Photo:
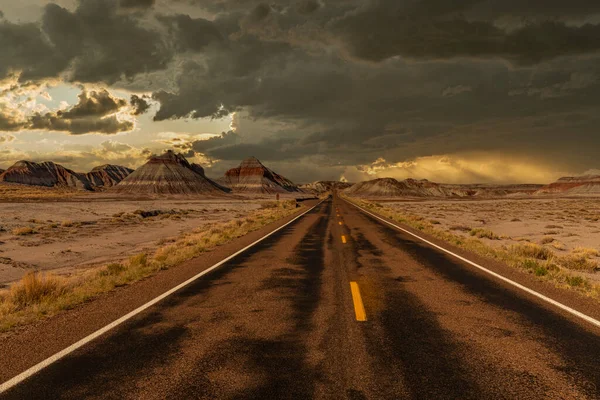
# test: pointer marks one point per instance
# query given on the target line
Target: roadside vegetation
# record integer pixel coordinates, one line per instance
(38, 295)
(566, 271)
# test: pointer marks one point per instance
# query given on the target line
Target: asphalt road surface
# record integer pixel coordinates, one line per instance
(280, 321)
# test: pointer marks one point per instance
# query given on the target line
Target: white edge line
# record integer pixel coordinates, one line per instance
(518, 285)
(52, 359)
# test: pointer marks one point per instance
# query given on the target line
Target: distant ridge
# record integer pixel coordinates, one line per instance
(390, 187)
(319, 187)
(586, 185)
(50, 174)
(169, 173)
(253, 177)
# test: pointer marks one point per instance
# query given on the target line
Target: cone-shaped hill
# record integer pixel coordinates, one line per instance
(44, 174)
(169, 173)
(107, 175)
(253, 177)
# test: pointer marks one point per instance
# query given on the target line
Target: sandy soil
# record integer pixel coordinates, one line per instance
(80, 233)
(564, 225)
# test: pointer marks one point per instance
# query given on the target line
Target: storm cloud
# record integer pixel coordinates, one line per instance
(333, 85)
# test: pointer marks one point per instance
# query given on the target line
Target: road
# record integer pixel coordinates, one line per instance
(280, 322)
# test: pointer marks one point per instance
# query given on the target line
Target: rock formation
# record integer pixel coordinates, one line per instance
(44, 174)
(253, 177)
(55, 175)
(390, 187)
(199, 170)
(586, 185)
(319, 187)
(169, 173)
(105, 176)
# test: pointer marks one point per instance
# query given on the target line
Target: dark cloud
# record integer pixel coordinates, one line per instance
(93, 113)
(140, 104)
(430, 30)
(94, 104)
(136, 3)
(53, 122)
(24, 49)
(191, 33)
(208, 146)
(307, 6)
(333, 83)
(8, 121)
(94, 43)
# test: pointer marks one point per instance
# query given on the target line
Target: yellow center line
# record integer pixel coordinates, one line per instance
(343, 239)
(359, 308)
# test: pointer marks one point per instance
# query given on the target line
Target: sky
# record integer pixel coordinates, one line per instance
(463, 91)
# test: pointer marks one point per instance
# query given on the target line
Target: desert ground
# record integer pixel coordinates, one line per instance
(85, 231)
(563, 225)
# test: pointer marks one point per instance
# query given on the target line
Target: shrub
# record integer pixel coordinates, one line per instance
(461, 228)
(484, 233)
(540, 271)
(113, 269)
(26, 230)
(67, 223)
(575, 281)
(578, 262)
(547, 239)
(34, 288)
(531, 264)
(586, 252)
(139, 260)
(531, 250)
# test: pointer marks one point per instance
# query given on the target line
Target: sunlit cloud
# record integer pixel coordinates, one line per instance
(465, 168)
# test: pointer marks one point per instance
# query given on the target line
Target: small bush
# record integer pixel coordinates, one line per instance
(540, 271)
(553, 227)
(551, 233)
(578, 262)
(26, 230)
(461, 228)
(139, 260)
(531, 250)
(530, 264)
(575, 281)
(67, 224)
(586, 252)
(113, 269)
(547, 239)
(484, 233)
(34, 288)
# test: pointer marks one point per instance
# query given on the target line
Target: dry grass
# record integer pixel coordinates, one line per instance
(484, 233)
(16, 192)
(532, 258)
(38, 295)
(24, 231)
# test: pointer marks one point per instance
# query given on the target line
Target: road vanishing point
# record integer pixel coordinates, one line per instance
(335, 303)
